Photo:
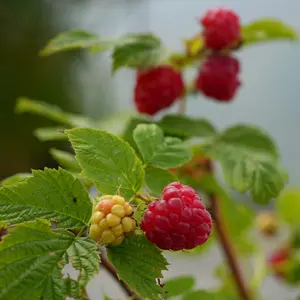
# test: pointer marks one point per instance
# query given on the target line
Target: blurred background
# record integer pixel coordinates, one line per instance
(82, 83)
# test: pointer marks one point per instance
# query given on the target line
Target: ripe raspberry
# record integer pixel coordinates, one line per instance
(218, 78)
(222, 28)
(277, 261)
(157, 89)
(111, 220)
(178, 221)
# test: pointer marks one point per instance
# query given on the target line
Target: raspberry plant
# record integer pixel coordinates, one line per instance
(156, 188)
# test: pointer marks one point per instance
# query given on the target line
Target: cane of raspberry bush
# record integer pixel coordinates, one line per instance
(222, 28)
(111, 220)
(157, 89)
(178, 221)
(218, 78)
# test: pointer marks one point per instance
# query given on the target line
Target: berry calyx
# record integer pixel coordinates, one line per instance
(218, 78)
(222, 28)
(178, 221)
(157, 89)
(111, 220)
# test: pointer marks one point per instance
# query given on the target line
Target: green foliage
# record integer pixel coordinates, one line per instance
(108, 161)
(46, 134)
(266, 30)
(156, 179)
(65, 160)
(159, 151)
(248, 158)
(178, 286)
(138, 51)
(31, 261)
(15, 179)
(50, 194)
(288, 206)
(139, 263)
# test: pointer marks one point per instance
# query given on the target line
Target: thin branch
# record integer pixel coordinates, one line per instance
(228, 250)
(182, 106)
(143, 197)
(112, 271)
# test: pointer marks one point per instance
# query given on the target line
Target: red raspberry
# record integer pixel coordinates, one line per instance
(277, 261)
(157, 88)
(222, 28)
(218, 77)
(178, 221)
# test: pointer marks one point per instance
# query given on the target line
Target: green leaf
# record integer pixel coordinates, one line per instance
(156, 179)
(200, 294)
(265, 30)
(139, 263)
(288, 206)
(66, 160)
(108, 161)
(50, 194)
(186, 126)
(52, 112)
(179, 285)
(14, 179)
(31, 257)
(159, 151)
(46, 134)
(248, 158)
(138, 51)
(76, 39)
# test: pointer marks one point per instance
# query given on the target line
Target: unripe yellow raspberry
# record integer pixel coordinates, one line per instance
(103, 224)
(119, 200)
(128, 209)
(113, 220)
(107, 237)
(97, 216)
(118, 210)
(117, 230)
(95, 231)
(118, 240)
(267, 223)
(128, 224)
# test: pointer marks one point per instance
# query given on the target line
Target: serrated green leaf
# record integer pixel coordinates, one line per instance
(14, 179)
(66, 160)
(179, 285)
(156, 179)
(138, 51)
(159, 151)
(265, 30)
(108, 161)
(248, 158)
(186, 126)
(52, 112)
(139, 263)
(46, 134)
(30, 261)
(288, 206)
(76, 39)
(50, 194)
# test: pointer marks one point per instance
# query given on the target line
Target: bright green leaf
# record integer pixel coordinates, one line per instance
(66, 160)
(15, 179)
(139, 263)
(200, 294)
(178, 286)
(186, 126)
(50, 194)
(248, 158)
(288, 206)
(265, 30)
(76, 39)
(31, 258)
(159, 151)
(52, 112)
(156, 179)
(138, 51)
(46, 134)
(108, 161)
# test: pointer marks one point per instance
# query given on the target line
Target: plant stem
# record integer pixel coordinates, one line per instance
(110, 268)
(228, 250)
(143, 197)
(182, 106)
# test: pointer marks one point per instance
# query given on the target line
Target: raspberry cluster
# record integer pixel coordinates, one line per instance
(178, 221)
(111, 220)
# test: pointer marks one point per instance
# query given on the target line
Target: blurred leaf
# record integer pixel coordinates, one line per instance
(52, 112)
(186, 126)
(248, 157)
(178, 286)
(159, 151)
(138, 51)
(288, 206)
(15, 179)
(65, 160)
(156, 179)
(265, 30)
(50, 134)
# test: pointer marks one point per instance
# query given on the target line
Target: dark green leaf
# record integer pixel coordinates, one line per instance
(178, 286)
(108, 161)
